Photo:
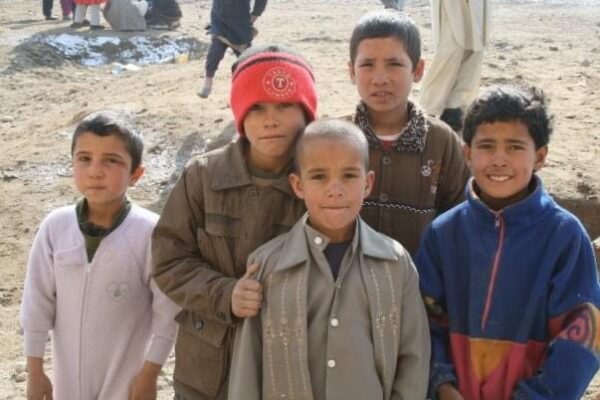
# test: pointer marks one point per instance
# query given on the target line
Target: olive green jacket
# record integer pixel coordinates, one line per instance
(363, 336)
(213, 219)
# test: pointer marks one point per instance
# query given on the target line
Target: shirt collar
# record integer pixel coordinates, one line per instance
(368, 241)
(230, 170)
(413, 137)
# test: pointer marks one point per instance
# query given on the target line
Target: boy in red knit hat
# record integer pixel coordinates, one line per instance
(225, 204)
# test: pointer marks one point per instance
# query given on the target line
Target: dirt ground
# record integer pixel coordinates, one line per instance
(554, 44)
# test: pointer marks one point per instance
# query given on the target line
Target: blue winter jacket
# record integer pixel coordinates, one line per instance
(513, 299)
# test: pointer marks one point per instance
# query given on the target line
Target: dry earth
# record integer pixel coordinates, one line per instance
(554, 44)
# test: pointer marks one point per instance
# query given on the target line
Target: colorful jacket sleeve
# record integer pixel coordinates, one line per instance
(180, 269)
(432, 290)
(572, 357)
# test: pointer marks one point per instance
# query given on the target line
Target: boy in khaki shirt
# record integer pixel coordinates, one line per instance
(342, 317)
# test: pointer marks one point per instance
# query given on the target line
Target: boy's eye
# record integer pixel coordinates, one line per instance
(255, 107)
(83, 158)
(365, 64)
(113, 160)
(317, 177)
(350, 175)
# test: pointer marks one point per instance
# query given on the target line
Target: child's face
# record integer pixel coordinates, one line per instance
(502, 157)
(272, 129)
(383, 74)
(333, 183)
(102, 170)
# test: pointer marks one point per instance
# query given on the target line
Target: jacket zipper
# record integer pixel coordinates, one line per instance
(88, 269)
(490, 292)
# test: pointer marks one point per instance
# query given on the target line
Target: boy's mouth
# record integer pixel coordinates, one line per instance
(381, 94)
(499, 178)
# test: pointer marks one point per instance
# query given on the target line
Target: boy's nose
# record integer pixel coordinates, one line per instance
(499, 159)
(335, 189)
(95, 170)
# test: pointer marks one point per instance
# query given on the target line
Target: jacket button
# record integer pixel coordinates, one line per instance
(334, 322)
(253, 193)
(386, 160)
(331, 363)
(198, 325)
(383, 197)
(221, 315)
(318, 240)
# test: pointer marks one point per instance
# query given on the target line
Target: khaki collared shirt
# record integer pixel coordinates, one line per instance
(214, 218)
(363, 336)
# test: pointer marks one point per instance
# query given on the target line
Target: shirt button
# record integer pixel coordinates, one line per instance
(383, 197)
(331, 363)
(221, 315)
(386, 160)
(318, 240)
(335, 322)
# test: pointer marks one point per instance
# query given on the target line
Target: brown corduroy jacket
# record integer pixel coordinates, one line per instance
(423, 175)
(214, 218)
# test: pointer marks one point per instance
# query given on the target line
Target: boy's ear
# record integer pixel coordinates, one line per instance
(540, 158)
(351, 72)
(467, 154)
(419, 71)
(136, 175)
(296, 184)
(370, 180)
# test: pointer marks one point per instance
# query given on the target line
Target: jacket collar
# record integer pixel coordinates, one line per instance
(413, 137)
(366, 240)
(523, 212)
(230, 170)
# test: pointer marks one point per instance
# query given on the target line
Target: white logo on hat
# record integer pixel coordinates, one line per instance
(279, 83)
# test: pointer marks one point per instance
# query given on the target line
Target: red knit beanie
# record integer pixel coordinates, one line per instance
(272, 78)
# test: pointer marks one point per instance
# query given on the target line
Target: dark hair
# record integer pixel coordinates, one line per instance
(387, 23)
(265, 48)
(336, 129)
(511, 103)
(106, 124)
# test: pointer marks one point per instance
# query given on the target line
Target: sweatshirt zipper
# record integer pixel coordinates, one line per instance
(88, 269)
(490, 292)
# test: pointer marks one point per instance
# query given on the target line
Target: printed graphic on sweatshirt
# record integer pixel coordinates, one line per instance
(118, 290)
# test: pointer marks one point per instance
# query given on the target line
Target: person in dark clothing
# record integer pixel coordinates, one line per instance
(231, 26)
(47, 9)
(163, 12)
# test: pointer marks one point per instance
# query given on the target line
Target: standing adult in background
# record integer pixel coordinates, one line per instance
(231, 26)
(394, 4)
(68, 7)
(461, 32)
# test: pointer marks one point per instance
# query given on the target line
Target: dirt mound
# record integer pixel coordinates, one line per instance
(55, 50)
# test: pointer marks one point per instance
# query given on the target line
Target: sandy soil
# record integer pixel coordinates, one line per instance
(553, 44)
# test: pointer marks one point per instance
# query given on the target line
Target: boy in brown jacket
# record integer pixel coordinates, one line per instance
(418, 162)
(225, 204)
(342, 316)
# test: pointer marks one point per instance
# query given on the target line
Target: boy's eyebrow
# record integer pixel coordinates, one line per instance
(117, 155)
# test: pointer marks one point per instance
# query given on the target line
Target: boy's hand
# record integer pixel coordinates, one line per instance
(144, 385)
(447, 391)
(246, 298)
(39, 386)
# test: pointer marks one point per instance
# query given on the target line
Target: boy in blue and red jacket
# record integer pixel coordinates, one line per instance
(509, 277)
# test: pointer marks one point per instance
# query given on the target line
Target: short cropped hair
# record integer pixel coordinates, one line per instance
(107, 124)
(511, 103)
(336, 129)
(387, 23)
